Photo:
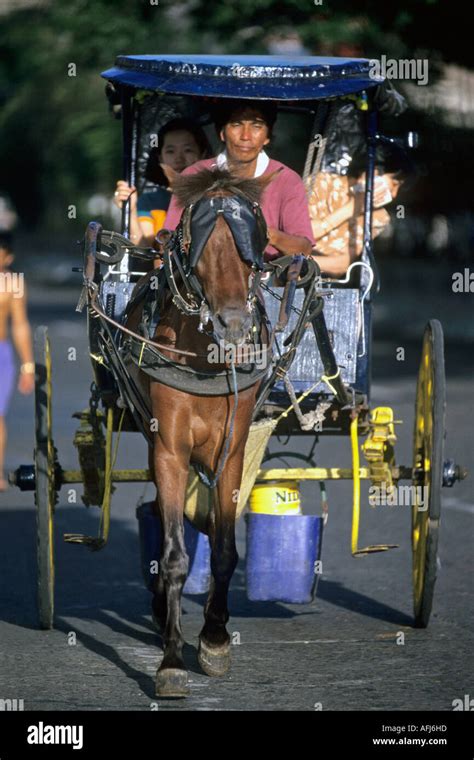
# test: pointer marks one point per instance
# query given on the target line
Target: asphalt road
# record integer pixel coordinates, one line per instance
(342, 652)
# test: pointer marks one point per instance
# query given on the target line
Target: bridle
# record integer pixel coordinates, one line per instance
(185, 247)
(181, 255)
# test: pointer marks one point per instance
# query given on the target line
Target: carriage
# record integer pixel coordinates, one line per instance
(318, 380)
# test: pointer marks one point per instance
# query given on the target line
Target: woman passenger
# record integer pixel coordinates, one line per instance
(181, 143)
(336, 209)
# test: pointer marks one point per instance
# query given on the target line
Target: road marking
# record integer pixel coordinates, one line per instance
(310, 641)
(459, 506)
(148, 653)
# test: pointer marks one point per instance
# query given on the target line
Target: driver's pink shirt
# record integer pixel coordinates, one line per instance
(284, 202)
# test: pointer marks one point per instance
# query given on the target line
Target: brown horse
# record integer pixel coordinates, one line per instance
(196, 428)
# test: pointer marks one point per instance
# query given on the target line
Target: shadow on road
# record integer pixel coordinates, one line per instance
(107, 587)
(341, 596)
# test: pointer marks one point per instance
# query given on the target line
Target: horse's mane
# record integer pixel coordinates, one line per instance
(191, 187)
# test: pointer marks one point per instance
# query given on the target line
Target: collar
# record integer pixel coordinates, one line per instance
(262, 162)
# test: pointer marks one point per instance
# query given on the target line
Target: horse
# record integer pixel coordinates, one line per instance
(220, 230)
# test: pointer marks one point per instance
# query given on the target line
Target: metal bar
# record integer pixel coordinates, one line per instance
(118, 476)
(326, 473)
(369, 194)
(298, 473)
(355, 487)
(289, 292)
(328, 358)
(91, 265)
(312, 144)
(129, 137)
(284, 362)
(127, 169)
(131, 476)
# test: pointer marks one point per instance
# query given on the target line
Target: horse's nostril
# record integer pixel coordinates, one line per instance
(233, 325)
(234, 319)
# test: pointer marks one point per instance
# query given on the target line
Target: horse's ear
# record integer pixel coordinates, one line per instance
(265, 179)
(170, 174)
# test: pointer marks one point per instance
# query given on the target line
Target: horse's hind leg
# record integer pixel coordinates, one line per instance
(214, 641)
(171, 678)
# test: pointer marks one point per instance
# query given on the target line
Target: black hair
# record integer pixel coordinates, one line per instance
(223, 111)
(153, 171)
(186, 125)
(6, 240)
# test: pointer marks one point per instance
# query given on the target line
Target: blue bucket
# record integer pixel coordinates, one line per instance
(197, 547)
(282, 552)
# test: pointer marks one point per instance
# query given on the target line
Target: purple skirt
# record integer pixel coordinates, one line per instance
(7, 375)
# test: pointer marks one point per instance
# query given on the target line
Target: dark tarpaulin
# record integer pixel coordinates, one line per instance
(265, 76)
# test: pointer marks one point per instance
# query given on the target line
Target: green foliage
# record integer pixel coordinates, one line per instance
(371, 27)
(59, 145)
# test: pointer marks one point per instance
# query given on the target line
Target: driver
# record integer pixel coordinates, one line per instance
(245, 128)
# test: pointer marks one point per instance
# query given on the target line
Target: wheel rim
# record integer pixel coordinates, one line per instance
(51, 463)
(45, 470)
(422, 465)
(427, 467)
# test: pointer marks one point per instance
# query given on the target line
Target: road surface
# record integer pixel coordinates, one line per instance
(354, 648)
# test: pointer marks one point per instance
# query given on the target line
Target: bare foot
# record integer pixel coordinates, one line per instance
(3, 484)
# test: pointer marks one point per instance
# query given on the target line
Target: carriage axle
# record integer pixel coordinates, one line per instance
(24, 476)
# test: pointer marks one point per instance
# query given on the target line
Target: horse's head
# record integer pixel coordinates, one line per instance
(227, 235)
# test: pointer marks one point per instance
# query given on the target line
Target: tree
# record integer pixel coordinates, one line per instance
(59, 144)
(370, 26)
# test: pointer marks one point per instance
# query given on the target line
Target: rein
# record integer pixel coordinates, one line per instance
(173, 255)
(93, 305)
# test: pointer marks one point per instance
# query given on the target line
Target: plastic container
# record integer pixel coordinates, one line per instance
(282, 556)
(197, 547)
(275, 499)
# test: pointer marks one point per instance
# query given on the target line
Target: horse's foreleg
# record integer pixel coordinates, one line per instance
(171, 678)
(214, 641)
(158, 602)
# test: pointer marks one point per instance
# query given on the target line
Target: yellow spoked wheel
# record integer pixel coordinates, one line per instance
(428, 469)
(46, 476)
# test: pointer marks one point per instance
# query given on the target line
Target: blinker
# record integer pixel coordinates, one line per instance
(246, 223)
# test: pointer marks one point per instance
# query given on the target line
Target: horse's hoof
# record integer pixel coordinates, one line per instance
(215, 661)
(172, 683)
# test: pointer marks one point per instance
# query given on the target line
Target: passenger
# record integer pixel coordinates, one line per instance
(336, 194)
(336, 207)
(12, 309)
(181, 143)
(245, 127)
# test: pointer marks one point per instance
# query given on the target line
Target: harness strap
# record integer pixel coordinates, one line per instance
(310, 173)
(213, 383)
(170, 258)
(101, 313)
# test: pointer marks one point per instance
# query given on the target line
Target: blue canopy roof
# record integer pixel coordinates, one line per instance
(243, 76)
